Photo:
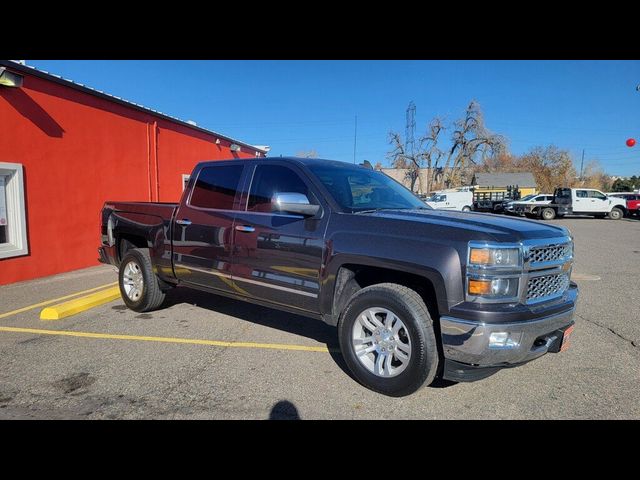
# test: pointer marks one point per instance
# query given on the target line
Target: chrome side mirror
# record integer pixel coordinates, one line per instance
(293, 202)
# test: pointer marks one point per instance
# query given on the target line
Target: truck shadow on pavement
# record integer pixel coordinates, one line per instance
(286, 322)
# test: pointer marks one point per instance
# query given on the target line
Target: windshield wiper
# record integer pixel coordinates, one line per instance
(374, 210)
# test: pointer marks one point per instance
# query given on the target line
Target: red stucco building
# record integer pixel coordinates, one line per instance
(65, 149)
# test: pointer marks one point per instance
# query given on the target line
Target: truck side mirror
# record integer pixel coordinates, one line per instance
(293, 202)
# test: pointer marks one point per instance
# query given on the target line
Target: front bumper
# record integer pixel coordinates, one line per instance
(469, 355)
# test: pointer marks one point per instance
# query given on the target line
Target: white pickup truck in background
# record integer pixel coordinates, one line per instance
(580, 201)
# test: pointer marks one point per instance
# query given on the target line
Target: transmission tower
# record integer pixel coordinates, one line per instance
(410, 130)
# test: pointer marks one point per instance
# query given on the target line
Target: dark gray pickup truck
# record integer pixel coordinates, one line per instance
(416, 294)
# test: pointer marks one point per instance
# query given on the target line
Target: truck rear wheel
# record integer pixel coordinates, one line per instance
(139, 286)
(387, 339)
(466, 208)
(615, 214)
(548, 214)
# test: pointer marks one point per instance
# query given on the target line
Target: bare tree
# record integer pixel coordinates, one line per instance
(402, 159)
(431, 153)
(470, 144)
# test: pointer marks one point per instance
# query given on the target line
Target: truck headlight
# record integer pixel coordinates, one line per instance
(494, 257)
(493, 287)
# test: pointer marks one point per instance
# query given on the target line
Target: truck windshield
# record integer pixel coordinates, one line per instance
(437, 198)
(357, 189)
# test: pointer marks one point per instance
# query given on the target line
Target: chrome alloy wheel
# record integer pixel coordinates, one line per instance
(133, 281)
(381, 342)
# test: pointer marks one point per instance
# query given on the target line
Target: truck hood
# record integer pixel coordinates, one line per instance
(478, 225)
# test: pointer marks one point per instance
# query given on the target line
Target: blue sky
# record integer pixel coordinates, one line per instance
(311, 105)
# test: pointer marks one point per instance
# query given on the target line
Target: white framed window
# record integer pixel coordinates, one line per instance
(185, 181)
(13, 223)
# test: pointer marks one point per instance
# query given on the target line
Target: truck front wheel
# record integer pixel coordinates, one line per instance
(139, 286)
(615, 214)
(548, 214)
(387, 339)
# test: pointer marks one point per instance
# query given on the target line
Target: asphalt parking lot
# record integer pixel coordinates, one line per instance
(209, 357)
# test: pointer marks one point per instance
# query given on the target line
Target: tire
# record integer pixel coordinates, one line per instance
(139, 286)
(616, 214)
(395, 377)
(466, 208)
(548, 214)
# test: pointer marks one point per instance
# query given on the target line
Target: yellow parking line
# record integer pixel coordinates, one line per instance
(49, 302)
(190, 341)
(77, 305)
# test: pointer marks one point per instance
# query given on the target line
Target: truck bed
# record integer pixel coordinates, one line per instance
(164, 210)
(146, 225)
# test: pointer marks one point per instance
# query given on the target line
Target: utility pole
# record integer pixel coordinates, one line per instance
(355, 140)
(409, 147)
(410, 130)
(581, 164)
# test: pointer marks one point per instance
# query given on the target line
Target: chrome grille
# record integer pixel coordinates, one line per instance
(540, 288)
(550, 253)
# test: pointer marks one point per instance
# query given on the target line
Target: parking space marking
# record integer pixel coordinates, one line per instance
(188, 341)
(54, 300)
(77, 305)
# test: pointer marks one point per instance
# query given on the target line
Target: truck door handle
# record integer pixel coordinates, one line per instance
(245, 228)
(184, 221)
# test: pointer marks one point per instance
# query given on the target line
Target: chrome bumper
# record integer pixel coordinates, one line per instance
(468, 342)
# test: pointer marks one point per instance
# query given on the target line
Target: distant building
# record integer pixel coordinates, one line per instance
(422, 185)
(400, 176)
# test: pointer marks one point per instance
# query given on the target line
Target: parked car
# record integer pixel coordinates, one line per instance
(632, 200)
(507, 205)
(579, 201)
(415, 293)
(492, 204)
(518, 207)
(451, 200)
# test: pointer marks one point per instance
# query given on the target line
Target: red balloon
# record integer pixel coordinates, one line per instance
(631, 142)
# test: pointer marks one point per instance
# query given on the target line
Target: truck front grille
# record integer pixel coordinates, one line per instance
(549, 253)
(541, 288)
